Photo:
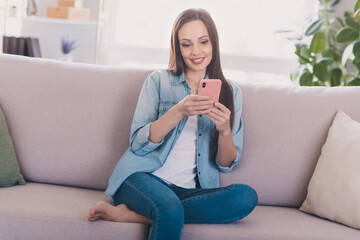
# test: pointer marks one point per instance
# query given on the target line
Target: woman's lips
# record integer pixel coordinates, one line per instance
(197, 60)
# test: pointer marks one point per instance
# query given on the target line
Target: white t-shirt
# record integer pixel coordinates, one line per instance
(180, 166)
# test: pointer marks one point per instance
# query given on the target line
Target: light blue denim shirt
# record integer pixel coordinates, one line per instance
(160, 92)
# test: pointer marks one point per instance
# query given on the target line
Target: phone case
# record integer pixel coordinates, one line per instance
(211, 88)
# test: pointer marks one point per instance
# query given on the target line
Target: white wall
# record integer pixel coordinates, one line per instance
(50, 31)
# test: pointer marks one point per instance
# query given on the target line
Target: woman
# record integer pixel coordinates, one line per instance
(170, 173)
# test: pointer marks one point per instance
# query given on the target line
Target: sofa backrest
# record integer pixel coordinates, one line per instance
(70, 124)
(285, 128)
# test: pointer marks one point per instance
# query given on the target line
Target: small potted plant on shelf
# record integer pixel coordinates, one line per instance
(12, 11)
(67, 47)
(328, 50)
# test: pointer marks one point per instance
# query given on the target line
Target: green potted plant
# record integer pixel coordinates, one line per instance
(328, 50)
(12, 11)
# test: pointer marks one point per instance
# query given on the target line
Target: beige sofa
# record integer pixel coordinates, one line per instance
(70, 124)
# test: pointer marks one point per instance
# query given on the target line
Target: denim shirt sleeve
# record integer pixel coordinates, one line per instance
(146, 113)
(237, 130)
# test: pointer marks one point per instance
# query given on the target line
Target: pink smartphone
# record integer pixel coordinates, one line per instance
(211, 88)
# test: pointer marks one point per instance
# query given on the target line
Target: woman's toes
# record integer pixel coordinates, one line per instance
(96, 211)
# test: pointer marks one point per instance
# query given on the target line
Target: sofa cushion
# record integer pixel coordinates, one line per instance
(9, 167)
(43, 211)
(285, 128)
(334, 190)
(277, 223)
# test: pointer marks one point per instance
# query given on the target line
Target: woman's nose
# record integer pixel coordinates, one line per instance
(195, 50)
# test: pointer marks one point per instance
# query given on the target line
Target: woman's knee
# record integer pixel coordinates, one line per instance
(170, 209)
(245, 200)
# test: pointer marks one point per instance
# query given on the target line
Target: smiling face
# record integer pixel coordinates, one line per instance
(195, 46)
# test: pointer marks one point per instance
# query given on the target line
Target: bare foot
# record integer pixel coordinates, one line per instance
(105, 211)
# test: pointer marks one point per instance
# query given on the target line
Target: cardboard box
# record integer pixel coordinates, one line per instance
(75, 14)
(57, 12)
(79, 14)
(70, 3)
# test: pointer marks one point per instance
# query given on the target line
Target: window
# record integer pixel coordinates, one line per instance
(246, 31)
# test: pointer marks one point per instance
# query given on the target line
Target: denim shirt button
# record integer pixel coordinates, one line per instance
(198, 154)
(200, 134)
(164, 109)
(200, 115)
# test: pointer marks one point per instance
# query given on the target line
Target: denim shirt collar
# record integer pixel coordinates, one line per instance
(178, 79)
(181, 78)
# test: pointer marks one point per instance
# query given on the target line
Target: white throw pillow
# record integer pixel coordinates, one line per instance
(334, 189)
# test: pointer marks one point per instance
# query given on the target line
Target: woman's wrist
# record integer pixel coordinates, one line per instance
(162, 126)
(225, 132)
(177, 111)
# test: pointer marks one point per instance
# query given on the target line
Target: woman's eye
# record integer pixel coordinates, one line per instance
(205, 42)
(185, 45)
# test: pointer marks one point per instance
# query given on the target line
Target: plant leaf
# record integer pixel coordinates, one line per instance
(334, 2)
(347, 35)
(329, 53)
(335, 77)
(295, 37)
(327, 9)
(318, 43)
(356, 63)
(349, 20)
(306, 78)
(317, 84)
(347, 54)
(302, 52)
(357, 5)
(321, 71)
(314, 27)
(340, 21)
(283, 31)
(294, 75)
(305, 53)
(354, 82)
(326, 60)
(356, 50)
(356, 15)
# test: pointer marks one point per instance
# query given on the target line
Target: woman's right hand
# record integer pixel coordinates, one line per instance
(194, 105)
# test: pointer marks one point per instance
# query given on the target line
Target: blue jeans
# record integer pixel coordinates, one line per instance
(169, 207)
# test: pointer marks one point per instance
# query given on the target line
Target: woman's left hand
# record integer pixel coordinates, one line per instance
(220, 115)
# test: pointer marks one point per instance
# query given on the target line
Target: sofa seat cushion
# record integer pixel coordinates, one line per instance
(268, 222)
(43, 211)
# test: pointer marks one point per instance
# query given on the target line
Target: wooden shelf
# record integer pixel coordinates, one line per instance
(49, 31)
(61, 21)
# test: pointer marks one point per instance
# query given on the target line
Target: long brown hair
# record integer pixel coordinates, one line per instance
(214, 71)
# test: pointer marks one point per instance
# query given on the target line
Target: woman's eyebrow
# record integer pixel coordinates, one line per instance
(185, 39)
(203, 36)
